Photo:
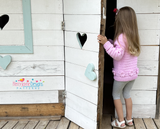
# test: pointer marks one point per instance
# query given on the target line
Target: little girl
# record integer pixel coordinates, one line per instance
(124, 49)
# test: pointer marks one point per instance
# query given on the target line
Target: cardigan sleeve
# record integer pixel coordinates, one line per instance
(116, 52)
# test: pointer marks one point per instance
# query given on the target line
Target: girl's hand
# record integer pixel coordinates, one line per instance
(102, 39)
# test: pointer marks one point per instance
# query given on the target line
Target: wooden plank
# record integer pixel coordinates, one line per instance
(46, 21)
(8, 7)
(149, 123)
(15, 22)
(142, 97)
(63, 124)
(82, 120)
(82, 90)
(12, 37)
(148, 6)
(31, 124)
(53, 37)
(148, 67)
(49, 6)
(30, 118)
(73, 126)
(35, 83)
(82, 106)
(139, 124)
(42, 124)
(149, 37)
(79, 74)
(90, 45)
(28, 97)
(75, 22)
(52, 125)
(10, 124)
(81, 57)
(41, 53)
(157, 122)
(149, 53)
(145, 83)
(148, 21)
(21, 124)
(34, 68)
(89, 7)
(27, 110)
(3, 123)
(140, 111)
(106, 121)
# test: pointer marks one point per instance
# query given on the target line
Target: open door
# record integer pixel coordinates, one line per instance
(82, 25)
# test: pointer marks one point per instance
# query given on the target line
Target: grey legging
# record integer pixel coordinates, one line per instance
(119, 85)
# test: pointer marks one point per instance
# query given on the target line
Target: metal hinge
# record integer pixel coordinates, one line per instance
(63, 25)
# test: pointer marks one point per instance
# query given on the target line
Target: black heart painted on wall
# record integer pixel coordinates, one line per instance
(3, 20)
(81, 39)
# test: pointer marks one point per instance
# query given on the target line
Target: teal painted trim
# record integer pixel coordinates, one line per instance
(28, 36)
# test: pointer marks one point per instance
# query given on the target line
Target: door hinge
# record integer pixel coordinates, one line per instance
(63, 25)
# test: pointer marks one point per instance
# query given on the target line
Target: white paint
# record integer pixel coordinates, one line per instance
(82, 106)
(142, 97)
(149, 53)
(79, 119)
(141, 6)
(83, 7)
(104, 12)
(34, 68)
(77, 72)
(49, 83)
(90, 45)
(46, 6)
(51, 37)
(29, 97)
(82, 90)
(41, 53)
(148, 67)
(140, 111)
(46, 21)
(83, 23)
(81, 57)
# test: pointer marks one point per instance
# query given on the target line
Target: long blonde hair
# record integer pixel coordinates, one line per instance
(126, 23)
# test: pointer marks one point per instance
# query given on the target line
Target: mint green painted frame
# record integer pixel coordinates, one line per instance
(28, 45)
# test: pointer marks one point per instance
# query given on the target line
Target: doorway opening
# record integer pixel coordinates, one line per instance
(108, 104)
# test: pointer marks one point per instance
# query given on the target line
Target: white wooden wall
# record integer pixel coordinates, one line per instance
(47, 61)
(82, 93)
(143, 93)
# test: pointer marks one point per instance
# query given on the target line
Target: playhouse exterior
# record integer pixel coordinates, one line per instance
(46, 75)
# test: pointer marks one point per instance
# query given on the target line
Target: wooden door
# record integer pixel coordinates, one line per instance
(82, 17)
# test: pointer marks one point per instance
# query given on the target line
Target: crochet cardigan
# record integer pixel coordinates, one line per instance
(125, 64)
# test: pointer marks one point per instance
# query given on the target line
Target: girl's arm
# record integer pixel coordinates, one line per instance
(116, 52)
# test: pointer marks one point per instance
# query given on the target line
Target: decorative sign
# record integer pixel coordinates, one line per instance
(23, 83)
(3, 20)
(81, 39)
(5, 61)
(89, 73)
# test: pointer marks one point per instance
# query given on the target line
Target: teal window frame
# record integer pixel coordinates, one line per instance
(28, 36)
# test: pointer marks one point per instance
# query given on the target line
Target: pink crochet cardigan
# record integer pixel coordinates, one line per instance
(125, 64)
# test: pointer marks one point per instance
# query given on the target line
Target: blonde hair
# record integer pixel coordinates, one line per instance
(126, 23)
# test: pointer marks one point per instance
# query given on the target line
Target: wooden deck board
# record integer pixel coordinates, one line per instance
(63, 124)
(73, 126)
(42, 124)
(31, 124)
(149, 123)
(157, 122)
(10, 124)
(21, 124)
(2, 123)
(52, 125)
(138, 122)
